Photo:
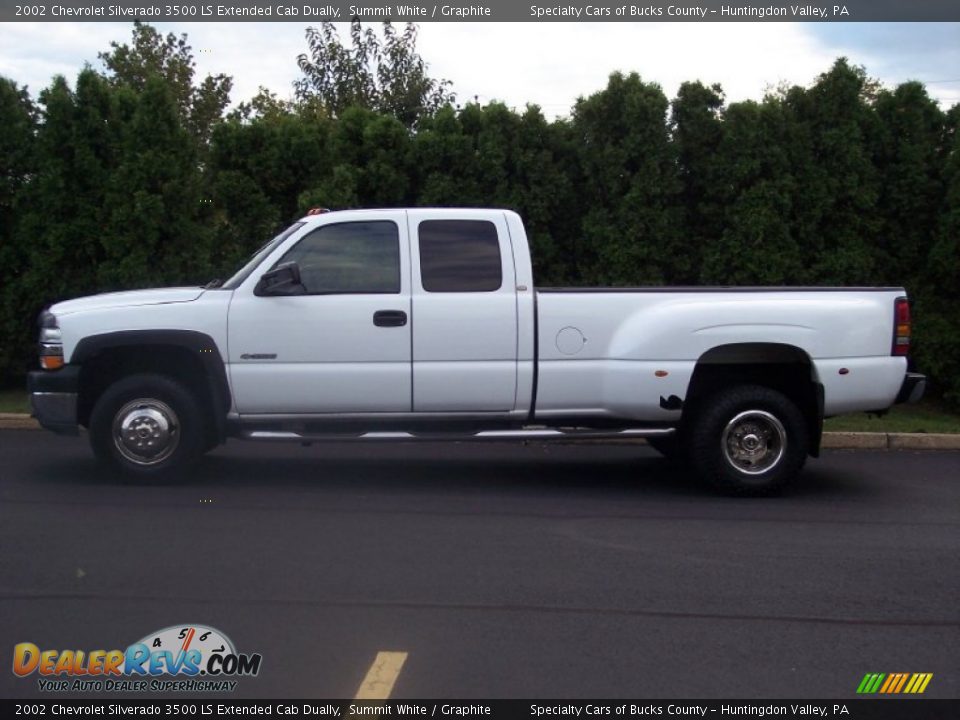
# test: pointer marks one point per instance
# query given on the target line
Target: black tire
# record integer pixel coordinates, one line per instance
(748, 440)
(164, 430)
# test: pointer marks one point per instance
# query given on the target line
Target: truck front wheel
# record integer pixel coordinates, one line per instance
(748, 440)
(147, 426)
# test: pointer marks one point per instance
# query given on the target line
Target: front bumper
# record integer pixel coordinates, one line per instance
(912, 389)
(53, 398)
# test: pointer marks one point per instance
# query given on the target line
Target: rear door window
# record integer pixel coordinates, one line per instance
(459, 256)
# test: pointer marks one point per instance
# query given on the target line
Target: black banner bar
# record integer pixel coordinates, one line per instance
(484, 10)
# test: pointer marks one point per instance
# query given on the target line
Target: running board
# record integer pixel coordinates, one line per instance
(531, 434)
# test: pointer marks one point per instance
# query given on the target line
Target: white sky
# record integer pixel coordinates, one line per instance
(549, 64)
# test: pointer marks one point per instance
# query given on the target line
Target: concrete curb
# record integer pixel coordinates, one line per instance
(831, 440)
(856, 440)
(891, 441)
(17, 421)
(923, 441)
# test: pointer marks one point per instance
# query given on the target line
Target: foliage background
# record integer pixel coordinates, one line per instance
(136, 176)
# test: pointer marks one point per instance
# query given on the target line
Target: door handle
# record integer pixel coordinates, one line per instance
(389, 318)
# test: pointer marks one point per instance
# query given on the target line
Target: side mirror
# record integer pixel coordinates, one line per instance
(282, 280)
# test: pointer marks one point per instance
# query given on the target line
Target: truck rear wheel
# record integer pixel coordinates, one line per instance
(748, 440)
(148, 427)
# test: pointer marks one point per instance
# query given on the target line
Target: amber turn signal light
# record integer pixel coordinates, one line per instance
(51, 362)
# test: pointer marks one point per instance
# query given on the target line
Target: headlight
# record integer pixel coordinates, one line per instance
(47, 320)
(51, 342)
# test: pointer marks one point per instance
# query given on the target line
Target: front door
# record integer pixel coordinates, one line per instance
(344, 345)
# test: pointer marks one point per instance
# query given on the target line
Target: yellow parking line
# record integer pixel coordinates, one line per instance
(378, 684)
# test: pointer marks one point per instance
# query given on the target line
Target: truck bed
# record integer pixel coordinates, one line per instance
(631, 352)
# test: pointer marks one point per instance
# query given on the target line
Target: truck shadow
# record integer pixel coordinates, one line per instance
(592, 469)
(588, 470)
(526, 470)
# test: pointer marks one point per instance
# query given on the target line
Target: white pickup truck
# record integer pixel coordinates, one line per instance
(424, 323)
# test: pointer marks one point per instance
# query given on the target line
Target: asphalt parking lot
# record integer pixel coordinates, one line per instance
(540, 570)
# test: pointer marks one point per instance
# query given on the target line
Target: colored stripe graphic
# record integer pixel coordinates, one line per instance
(900, 682)
(894, 683)
(892, 680)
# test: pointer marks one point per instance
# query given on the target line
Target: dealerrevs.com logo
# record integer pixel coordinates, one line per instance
(178, 658)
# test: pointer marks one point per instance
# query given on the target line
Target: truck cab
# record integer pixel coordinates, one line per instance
(389, 311)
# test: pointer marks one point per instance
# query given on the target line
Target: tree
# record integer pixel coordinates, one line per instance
(544, 176)
(753, 189)
(171, 58)
(18, 119)
(443, 157)
(937, 295)
(264, 105)
(831, 131)
(908, 157)
(369, 154)
(387, 76)
(18, 163)
(156, 227)
(697, 128)
(18, 125)
(631, 228)
(62, 224)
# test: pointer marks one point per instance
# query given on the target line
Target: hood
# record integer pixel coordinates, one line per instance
(130, 298)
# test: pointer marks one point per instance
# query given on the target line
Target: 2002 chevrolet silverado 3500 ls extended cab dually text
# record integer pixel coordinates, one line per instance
(424, 323)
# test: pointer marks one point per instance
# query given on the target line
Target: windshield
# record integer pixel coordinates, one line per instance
(243, 273)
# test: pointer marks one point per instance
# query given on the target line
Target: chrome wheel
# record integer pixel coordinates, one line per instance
(754, 441)
(146, 431)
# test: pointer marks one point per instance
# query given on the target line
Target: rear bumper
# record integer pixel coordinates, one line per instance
(53, 399)
(912, 389)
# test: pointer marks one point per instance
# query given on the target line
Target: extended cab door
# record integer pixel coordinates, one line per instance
(344, 345)
(464, 312)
